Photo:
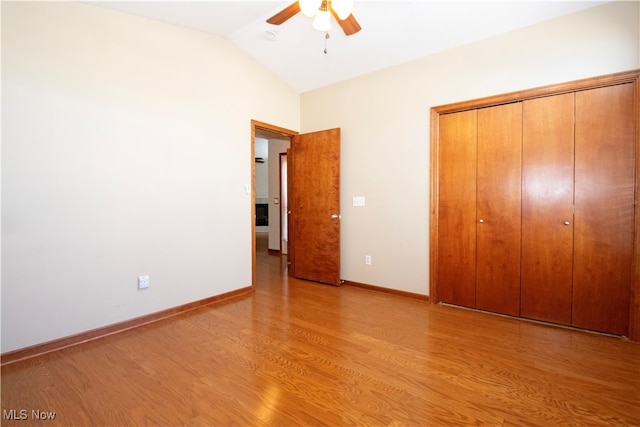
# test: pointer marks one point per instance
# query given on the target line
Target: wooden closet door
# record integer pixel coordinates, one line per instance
(604, 208)
(499, 208)
(457, 208)
(547, 208)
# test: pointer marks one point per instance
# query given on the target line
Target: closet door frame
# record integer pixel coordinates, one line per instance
(632, 77)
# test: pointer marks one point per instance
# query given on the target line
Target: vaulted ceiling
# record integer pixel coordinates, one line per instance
(392, 32)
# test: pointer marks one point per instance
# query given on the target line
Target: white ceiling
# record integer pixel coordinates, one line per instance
(392, 32)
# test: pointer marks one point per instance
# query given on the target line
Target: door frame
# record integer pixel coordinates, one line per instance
(287, 133)
(632, 76)
(282, 157)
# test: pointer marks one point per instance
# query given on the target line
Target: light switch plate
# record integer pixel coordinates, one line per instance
(358, 200)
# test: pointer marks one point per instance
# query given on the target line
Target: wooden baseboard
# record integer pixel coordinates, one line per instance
(387, 290)
(50, 346)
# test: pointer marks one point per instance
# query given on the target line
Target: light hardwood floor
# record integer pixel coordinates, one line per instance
(301, 353)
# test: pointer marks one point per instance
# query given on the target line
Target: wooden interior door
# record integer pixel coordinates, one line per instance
(604, 208)
(498, 224)
(315, 206)
(457, 208)
(547, 208)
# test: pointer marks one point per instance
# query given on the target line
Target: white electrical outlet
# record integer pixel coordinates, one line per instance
(367, 259)
(143, 282)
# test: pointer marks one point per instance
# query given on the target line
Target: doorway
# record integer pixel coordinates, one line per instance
(314, 188)
(278, 140)
(284, 204)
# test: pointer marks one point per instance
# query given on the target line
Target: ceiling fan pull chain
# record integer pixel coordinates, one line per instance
(326, 37)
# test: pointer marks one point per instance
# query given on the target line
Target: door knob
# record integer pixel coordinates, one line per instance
(567, 223)
(335, 216)
(481, 220)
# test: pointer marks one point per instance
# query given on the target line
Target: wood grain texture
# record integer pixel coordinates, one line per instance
(26, 353)
(434, 205)
(634, 309)
(499, 189)
(413, 295)
(604, 199)
(457, 155)
(300, 353)
(349, 25)
(630, 77)
(285, 14)
(314, 200)
(547, 208)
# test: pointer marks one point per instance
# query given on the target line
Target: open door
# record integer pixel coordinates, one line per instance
(314, 205)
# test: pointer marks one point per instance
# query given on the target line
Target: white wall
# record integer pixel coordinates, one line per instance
(384, 118)
(126, 148)
(276, 146)
(262, 177)
(262, 169)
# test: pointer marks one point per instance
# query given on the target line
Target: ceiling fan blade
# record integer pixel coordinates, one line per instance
(349, 24)
(284, 14)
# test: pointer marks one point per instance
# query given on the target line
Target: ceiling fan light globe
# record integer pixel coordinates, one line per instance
(342, 8)
(309, 7)
(322, 21)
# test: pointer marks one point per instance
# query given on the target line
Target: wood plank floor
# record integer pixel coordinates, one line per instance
(300, 353)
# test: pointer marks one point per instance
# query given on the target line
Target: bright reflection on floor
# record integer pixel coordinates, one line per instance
(269, 402)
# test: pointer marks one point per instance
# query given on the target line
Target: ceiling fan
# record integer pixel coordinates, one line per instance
(321, 10)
